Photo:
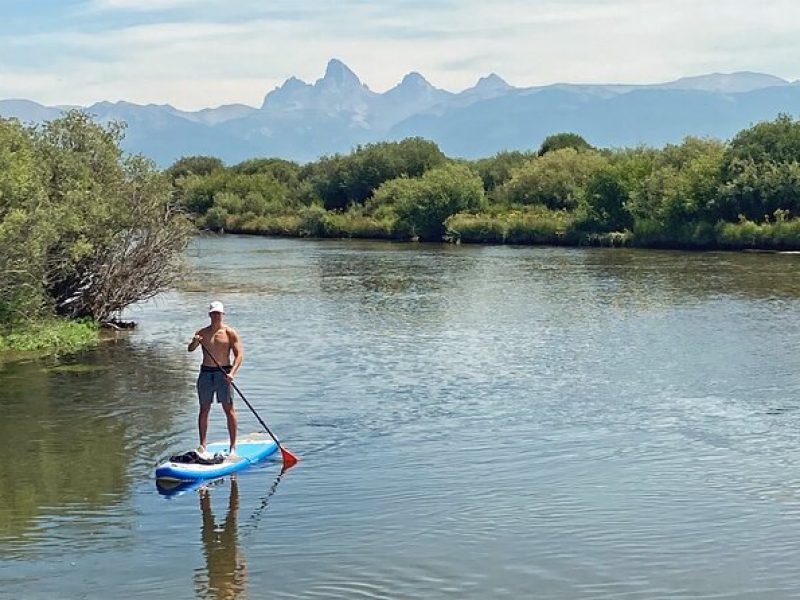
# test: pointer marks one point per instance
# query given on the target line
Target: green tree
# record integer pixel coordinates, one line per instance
(339, 181)
(760, 171)
(681, 185)
(559, 141)
(193, 165)
(498, 169)
(605, 200)
(97, 231)
(423, 204)
(554, 180)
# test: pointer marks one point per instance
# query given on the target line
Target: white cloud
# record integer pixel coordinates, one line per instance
(196, 64)
(139, 5)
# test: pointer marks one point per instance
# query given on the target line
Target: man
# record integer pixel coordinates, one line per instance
(219, 341)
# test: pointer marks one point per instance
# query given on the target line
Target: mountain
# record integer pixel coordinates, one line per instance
(743, 81)
(302, 121)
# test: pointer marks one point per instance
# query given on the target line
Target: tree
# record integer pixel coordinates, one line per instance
(193, 165)
(605, 199)
(285, 171)
(423, 204)
(554, 180)
(559, 141)
(681, 184)
(760, 171)
(99, 231)
(339, 181)
(498, 169)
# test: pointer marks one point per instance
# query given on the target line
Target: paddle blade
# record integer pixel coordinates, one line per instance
(289, 459)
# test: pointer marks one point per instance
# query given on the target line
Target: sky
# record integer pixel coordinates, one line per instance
(200, 53)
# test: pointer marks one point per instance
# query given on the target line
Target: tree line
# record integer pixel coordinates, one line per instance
(701, 193)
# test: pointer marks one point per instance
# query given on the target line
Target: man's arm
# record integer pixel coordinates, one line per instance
(238, 352)
(195, 341)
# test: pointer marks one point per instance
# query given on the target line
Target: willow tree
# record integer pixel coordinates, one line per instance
(96, 230)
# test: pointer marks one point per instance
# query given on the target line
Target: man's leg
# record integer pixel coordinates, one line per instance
(205, 394)
(202, 422)
(230, 415)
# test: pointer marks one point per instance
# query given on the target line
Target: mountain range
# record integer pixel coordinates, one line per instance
(302, 121)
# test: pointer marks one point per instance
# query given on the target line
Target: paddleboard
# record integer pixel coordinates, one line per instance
(249, 450)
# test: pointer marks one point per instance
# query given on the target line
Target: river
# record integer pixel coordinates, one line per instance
(473, 422)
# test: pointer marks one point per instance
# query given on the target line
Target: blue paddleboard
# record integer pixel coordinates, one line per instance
(249, 450)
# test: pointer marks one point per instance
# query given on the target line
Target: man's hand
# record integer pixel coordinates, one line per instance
(229, 377)
(196, 341)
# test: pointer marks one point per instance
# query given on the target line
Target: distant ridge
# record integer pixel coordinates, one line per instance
(301, 121)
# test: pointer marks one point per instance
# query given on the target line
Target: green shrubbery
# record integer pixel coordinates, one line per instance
(696, 194)
(84, 230)
(49, 335)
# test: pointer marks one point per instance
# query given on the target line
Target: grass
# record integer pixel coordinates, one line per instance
(49, 336)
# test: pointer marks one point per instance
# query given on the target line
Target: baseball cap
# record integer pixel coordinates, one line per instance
(216, 306)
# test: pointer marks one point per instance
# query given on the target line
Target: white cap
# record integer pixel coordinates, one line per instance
(216, 306)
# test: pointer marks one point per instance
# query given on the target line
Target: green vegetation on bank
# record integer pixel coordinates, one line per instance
(50, 335)
(84, 231)
(743, 193)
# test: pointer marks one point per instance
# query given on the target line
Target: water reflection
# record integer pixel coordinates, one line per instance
(75, 427)
(225, 574)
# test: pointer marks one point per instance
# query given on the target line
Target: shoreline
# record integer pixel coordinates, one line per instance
(613, 240)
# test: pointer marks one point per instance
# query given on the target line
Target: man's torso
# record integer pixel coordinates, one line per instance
(219, 345)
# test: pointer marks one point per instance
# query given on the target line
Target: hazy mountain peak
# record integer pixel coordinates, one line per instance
(492, 82)
(415, 79)
(290, 89)
(293, 83)
(740, 81)
(339, 74)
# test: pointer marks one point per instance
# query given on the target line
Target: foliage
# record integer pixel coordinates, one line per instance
(49, 335)
(554, 180)
(559, 141)
(84, 231)
(679, 184)
(699, 193)
(528, 225)
(605, 202)
(423, 204)
(193, 165)
(496, 170)
(761, 171)
(338, 181)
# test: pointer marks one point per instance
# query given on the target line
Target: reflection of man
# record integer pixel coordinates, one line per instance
(225, 565)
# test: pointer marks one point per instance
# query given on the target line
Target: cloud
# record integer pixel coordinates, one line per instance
(141, 5)
(221, 52)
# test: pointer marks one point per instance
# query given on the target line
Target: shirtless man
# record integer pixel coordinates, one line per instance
(221, 341)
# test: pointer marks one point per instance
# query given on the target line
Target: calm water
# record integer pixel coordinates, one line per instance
(475, 422)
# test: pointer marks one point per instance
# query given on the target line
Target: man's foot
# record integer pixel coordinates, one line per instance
(202, 452)
(232, 452)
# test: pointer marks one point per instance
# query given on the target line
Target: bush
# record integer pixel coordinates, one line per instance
(554, 180)
(559, 141)
(84, 230)
(533, 225)
(424, 204)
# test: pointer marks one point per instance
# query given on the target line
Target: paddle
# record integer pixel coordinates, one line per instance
(289, 459)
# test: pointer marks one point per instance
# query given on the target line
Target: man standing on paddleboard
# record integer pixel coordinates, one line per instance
(219, 341)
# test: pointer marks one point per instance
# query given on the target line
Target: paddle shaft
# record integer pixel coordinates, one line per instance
(250, 406)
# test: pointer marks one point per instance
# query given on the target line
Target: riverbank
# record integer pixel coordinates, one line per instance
(47, 337)
(529, 226)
